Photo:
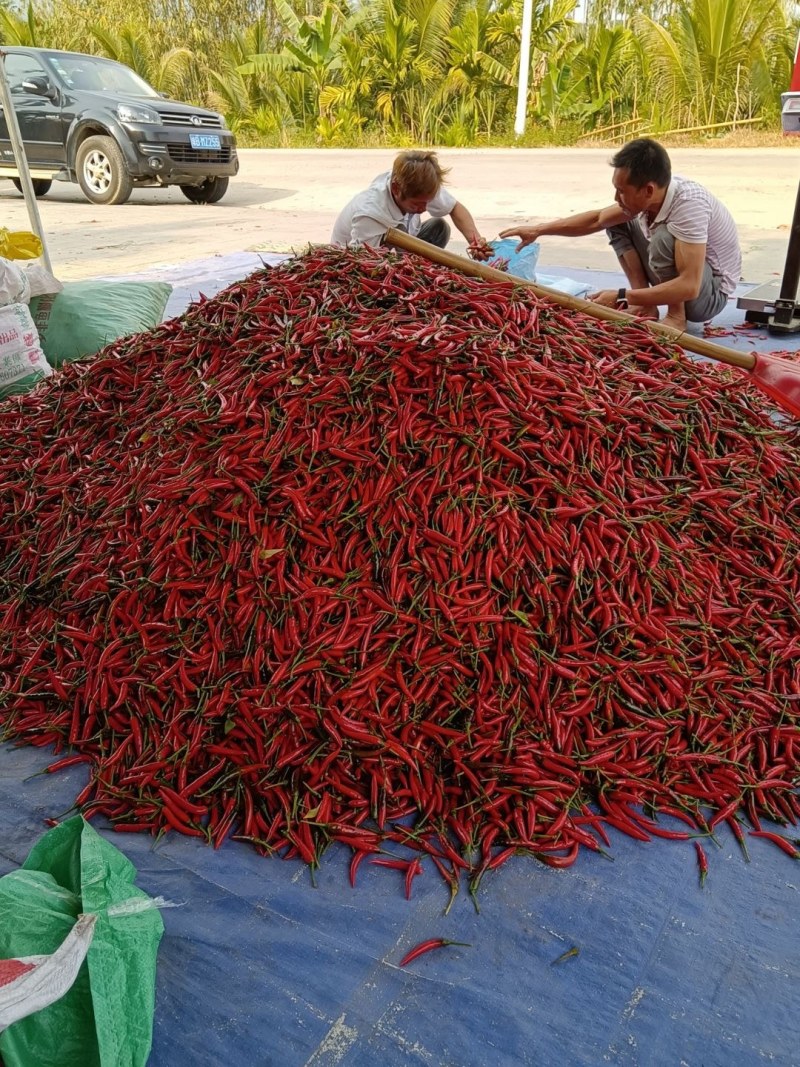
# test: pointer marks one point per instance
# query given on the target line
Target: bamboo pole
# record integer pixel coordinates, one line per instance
(713, 126)
(400, 239)
(642, 125)
(639, 123)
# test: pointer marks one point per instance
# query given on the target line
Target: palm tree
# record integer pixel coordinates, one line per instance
(310, 52)
(252, 103)
(16, 30)
(559, 96)
(605, 64)
(553, 91)
(166, 70)
(406, 45)
(477, 77)
(347, 104)
(707, 64)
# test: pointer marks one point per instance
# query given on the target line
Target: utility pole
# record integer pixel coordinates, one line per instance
(524, 68)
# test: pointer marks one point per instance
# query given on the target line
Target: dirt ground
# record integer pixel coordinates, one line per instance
(283, 199)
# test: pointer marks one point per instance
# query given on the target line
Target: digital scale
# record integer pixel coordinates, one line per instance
(774, 304)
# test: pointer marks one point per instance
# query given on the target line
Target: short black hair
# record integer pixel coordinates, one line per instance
(645, 161)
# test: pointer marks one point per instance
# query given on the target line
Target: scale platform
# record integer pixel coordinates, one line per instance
(759, 304)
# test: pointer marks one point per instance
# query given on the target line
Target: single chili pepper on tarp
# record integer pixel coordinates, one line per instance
(428, 946)
(702, 862)
(783, 843)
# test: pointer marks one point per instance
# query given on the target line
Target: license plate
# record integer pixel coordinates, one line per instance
(205, 140)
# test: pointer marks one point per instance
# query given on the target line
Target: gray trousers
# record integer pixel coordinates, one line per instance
(658, 259)
(435, 232)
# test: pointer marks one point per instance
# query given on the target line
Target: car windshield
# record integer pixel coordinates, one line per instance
(99, 75)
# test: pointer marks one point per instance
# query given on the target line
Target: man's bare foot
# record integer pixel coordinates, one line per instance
(643, 312)
(677, 322)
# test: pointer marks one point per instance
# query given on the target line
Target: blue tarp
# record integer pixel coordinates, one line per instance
(260, 967)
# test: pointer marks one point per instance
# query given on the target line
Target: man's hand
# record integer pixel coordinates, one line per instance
(527, 234)
(479, 248)
(606, 297)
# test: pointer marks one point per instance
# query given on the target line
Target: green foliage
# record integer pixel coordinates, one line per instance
(605, 64)
(253, 103)
(709, 62)
(17, 30)
(167, 70)
(402, 72)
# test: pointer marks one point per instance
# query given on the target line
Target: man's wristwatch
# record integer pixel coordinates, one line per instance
(622, 299)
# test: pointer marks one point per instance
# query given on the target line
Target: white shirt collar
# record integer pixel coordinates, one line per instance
(664, 211)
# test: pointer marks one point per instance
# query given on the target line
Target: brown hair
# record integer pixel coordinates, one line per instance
(418, 173)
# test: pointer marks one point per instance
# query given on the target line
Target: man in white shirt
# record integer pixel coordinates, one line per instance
(398, 198)
(675, 241)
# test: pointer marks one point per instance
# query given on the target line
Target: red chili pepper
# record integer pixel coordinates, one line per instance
(214, 597)
(428, 946)
(783, 843)
(702, 862)
(67, 761)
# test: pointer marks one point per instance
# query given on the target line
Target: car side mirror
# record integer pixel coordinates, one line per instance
(39, 87)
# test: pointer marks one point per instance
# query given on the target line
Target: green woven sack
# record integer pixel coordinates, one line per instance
(106, 1018)
(86, 316)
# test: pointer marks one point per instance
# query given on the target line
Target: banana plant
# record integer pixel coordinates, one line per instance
(310, 55)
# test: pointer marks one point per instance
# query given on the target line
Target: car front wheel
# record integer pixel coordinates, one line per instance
(208, 192)
(40, 185)
(102, 174)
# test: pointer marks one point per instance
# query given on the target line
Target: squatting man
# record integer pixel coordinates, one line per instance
(398, 198)
(676, 243)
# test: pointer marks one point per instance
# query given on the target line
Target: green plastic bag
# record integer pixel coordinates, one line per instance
(106, 1018)
(86, 316)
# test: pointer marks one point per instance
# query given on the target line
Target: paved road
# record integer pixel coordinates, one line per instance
(283, 199)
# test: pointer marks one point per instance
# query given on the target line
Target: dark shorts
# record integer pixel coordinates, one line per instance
(435, 232)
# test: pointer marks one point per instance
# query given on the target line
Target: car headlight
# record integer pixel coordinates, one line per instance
(127, 113)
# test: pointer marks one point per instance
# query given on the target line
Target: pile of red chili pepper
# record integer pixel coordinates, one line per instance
(366, 551)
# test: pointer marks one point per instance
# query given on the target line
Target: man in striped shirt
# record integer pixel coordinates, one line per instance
(675, 241)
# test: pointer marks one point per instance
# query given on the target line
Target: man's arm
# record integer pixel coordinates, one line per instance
(580, 225)
(690, 261)
(465, 224)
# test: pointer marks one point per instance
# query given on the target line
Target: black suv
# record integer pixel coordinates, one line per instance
(90, 120)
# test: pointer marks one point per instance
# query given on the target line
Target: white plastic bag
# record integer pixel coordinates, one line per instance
(42, 282)
(15, 286)
(31, 983)
(22, 361)
(564, 285)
